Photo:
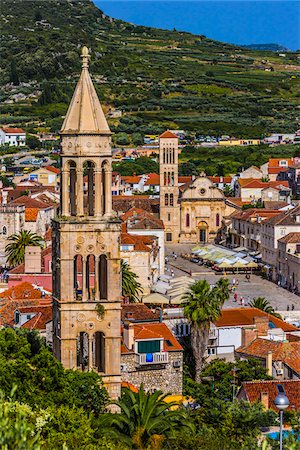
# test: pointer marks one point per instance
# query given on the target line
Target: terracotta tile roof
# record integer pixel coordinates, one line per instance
(276, 170)
(123, 203)
(184, 180)
(138, 218)
(253, 213)
(226, 180)
(48, 235)
(130, 386)
(13, 130)
(19, 296)
(291, 238)
(130, 239)
(249, 183)
(29, 202)
(168, 135)
(285, 217)
(234, 317)
(22, 290)
(43, 314)
(134, 179)
(138, 312)
(252, 391)
(157, 331)
(236, 201)
(31, 214)
(152, 179)
(53, 169)
(287, 352)
(274, 205)
(274, 162)
(42, 197)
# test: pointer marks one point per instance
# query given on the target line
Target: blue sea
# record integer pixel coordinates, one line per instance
(237, 22)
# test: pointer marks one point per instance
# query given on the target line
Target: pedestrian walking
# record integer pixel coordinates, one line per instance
(233, 282)
(237, 283)
(235, 297)
(242, 301)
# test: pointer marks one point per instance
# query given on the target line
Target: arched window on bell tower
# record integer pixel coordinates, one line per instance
(103, 277)
(72, 188)
(89, 170)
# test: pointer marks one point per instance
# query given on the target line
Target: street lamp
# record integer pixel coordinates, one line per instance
(281, 402)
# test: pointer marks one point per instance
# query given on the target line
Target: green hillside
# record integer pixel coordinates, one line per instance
(158, 78)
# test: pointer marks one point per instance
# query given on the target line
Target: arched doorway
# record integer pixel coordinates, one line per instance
(202, 232)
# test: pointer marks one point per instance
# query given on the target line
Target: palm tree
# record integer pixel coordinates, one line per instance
(263, 304)
(202, 305)
(131, 288)
(15, 249)
(224, 289)
(145, 419)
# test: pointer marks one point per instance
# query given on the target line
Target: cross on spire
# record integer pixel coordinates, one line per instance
(85, 57)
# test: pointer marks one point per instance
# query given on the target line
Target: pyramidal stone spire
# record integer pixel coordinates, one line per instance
(85, 114)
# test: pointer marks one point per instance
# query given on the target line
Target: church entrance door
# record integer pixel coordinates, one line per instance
(202, 236)
(203, 228)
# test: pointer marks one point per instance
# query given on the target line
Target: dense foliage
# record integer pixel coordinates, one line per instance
(44, 407)
(159, 78)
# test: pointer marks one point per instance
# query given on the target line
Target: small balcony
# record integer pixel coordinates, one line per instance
(212, 334)
(152, 358)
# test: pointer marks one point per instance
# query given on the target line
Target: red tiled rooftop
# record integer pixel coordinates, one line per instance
(274, 162)
(253, 390)
(156, 331)
(29, 202)
(291, 238)
(53, 169)
(13, 130)
(287, 352)
(131, 179)
(249, 183)
(226, 180)
(233, 317)
(31, 214)
(138, 312)
(152, 179)
(168, 135)
(43, 314)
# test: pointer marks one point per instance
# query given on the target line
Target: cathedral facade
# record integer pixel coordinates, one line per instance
(192, 212)
(86, 238)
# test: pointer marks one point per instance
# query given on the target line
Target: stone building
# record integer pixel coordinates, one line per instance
(192, 212)
(151, 354)
(87, 309)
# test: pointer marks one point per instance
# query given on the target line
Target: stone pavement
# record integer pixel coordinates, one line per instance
(278, 297)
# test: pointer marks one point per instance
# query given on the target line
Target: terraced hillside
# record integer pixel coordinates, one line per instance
(158, 78)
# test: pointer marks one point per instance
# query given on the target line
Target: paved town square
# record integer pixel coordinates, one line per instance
(278, 297)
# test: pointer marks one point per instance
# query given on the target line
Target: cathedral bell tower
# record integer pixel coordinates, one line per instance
(86, 236)
(169, 209)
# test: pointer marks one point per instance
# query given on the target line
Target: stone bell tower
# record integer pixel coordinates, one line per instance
(86, 236)
(169, 209)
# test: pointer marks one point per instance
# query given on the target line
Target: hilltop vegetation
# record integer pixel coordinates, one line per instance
(160, 79)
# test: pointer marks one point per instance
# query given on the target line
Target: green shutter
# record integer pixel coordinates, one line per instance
(148, 346)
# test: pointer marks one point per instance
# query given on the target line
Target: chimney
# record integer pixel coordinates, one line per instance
(262, 325)
(264, 399)
(269, 364)
(129, 335)
(33, 259)
(248, 336)
(4, 197)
